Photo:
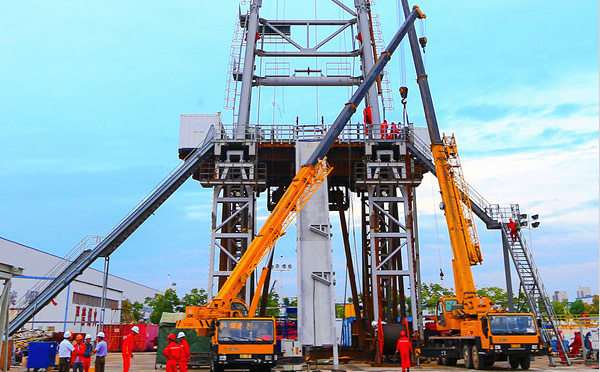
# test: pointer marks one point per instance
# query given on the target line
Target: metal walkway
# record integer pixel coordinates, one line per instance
(119, 234)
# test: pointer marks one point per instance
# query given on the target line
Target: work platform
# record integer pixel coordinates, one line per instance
(272, 150)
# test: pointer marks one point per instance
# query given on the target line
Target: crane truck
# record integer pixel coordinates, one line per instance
(468, 326)
(238, 339)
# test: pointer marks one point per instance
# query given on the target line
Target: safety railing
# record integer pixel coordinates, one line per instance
(289, 134)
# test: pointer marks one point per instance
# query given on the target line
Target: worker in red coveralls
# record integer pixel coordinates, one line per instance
(404, 347)
(87, 358)
(576, 344)
(185, 352)
(78, 354)
(384, 129)
(127, 349)
(512, 227)
(172, 352)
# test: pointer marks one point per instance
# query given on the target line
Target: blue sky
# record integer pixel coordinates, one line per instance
(91, 93)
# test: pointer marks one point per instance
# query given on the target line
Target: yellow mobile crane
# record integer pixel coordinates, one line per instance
(469, 327)
(238, 339)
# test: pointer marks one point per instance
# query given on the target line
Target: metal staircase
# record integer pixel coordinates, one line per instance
(119, 233)
(531, 281)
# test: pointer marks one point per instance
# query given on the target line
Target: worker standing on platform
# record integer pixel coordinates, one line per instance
(101, 351)
(87, 357)
(64, 353)
(173, 352)
(78, 354)
(185, 352)
(128, 344)
(384, 129)
(512, 227)
(404, 347)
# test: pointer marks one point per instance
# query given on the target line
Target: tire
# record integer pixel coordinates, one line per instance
(214, 367)
(525, 362)
(439, 360)
(513, 361)
(478, 360)
(467, 356)
(489, 361)
(451, 362)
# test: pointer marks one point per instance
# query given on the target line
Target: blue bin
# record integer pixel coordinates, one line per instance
(41, 354)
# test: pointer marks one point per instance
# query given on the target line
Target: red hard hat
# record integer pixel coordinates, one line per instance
(171, 336)
(510, 219)
(402, 333)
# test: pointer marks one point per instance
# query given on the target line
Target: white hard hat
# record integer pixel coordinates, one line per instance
(100, 334)
(67, 334)
(180, 335)
(88, 336)
(135, 329)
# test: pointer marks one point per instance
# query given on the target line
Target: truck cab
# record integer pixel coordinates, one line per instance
(243, 343)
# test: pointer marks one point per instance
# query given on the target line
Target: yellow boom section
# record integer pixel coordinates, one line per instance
(303, 186)
(459, 216)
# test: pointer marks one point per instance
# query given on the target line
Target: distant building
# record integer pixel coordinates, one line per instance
(585, 294)
(77, 308)
(583, 291)
(560, 296)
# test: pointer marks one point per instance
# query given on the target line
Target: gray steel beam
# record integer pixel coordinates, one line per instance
(248, 72)
(307, 52)
(118, 234)
(368, 60)
(308, 81)
(432, 125)
(309, 22)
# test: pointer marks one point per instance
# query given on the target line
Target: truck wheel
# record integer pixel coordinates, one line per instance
(525, 362)
(439, 360)
(467, 356)
(478, 360)
(513, 361)
(489, 361)
(214, 367)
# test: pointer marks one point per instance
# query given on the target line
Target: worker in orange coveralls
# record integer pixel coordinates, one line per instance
(404, 347)
(127, 350)
(185, 352)
(512, 227)
(173, 352)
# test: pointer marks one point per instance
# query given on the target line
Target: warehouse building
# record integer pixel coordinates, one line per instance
(78, 307)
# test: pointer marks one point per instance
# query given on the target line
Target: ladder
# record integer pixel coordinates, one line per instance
(531, 282)
(236, 65)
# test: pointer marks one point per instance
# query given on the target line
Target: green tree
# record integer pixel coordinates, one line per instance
(195, 297)
(592, 309)
(163, 302)
(497, 295)
(430, 293)
(577, 307)
(272, 304)
(560, 308)
(131, 312)
(290, 302)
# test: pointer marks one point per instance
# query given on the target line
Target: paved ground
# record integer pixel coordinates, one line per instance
(143, 362)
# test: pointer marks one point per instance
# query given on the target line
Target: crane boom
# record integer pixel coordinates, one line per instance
(459, 216)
